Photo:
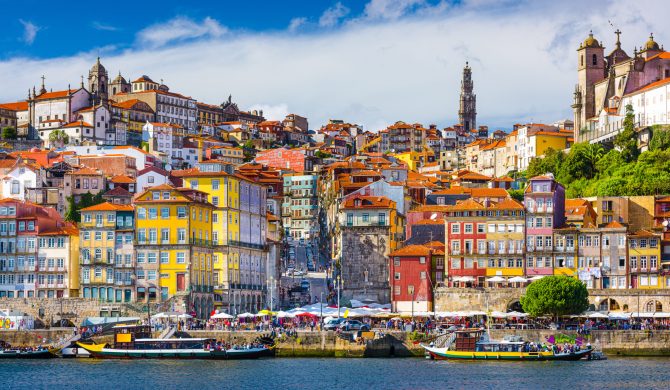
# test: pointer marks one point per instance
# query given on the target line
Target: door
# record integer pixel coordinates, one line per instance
(181, 282)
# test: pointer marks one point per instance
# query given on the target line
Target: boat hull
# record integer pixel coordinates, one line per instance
(441, 353)
(101, 352)
(26, 355)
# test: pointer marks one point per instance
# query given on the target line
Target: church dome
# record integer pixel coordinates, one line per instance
(651, 44)
(97, 67)
(119, 80)
(590, 41)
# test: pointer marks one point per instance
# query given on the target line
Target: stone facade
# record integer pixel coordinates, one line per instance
(506, 299)
(365, 271)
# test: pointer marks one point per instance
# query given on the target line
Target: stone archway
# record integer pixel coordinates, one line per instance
(609, 305)
(515, 305)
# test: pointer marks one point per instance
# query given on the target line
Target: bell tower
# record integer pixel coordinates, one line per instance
(467, 109)
(590, 69)
(98, 82)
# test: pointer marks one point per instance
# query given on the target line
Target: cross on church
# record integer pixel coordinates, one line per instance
(618, 33)
(42, 79)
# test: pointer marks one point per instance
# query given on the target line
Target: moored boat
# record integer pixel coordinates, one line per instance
(135, 342)
(473, 344)
(39, 353)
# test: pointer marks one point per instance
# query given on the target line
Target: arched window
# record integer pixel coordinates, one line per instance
(581, 61)
(595, 59)
(653, 307)
(113, 90)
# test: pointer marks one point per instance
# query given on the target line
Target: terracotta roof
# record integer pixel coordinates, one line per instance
(643, 233)
(614, 225)
(77, 124)
(85, 171)
(15, 106)
(474, 176)
(368, 202)
(106, 206)
(56, 94)
(503, 178)
(427, 208)
(151, 168)
(366, 173)
(272, 217)
(122, 179)
(118, 191)
(438, 221)
(489, 193)
(411, 250)
(650, 86)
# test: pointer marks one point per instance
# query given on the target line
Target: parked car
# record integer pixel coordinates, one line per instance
(333, 324)
(304, 284)
(298, 273)
(349, 325)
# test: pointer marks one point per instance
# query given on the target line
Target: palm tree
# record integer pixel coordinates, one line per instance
(592, 154)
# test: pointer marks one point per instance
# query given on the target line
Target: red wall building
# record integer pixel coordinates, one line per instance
(411, 287)
(282, 158)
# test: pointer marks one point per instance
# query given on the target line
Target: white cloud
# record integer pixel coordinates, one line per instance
(272, 112)
(180, 29)
(524, 64)
(296, 23)
(332, 15)
(104, 27)
(30, 30)
(390, 9)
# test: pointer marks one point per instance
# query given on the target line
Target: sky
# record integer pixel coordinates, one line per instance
(371, 62)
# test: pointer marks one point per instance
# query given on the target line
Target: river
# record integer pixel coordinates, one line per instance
(327, 374)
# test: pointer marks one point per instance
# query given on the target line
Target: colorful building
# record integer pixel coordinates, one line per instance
(545, 210)
(107, 258)
(174, 248)
(411, 285)
(644, 254)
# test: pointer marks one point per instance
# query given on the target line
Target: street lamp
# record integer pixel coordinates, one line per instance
(339, 282)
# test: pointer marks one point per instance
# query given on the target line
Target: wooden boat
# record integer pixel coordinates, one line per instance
(473, 344)
(18, 354)
(135, 342)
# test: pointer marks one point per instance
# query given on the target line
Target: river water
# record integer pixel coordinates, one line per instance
(327, 374)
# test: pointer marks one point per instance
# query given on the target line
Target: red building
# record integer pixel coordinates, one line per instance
(463, 240)
(411, 287)
(286, 159)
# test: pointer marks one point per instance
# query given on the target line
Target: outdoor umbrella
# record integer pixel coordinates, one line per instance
(467, 279)
(597, 315)
(518, 279)
(246, 315)
(537, 277)
(222, 316)
(496, 279)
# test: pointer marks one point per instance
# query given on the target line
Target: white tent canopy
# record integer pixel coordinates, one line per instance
(246, 315)
(496, 279)
(537, 277)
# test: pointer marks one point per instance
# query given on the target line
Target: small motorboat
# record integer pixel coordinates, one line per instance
(597, 355)
(238, 353)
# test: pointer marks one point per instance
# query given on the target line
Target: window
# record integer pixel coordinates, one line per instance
(480, 228)
(181, 236)
(468, 228)
(595, 59)
(165, 212)
(140, 257)
(396, 290)
(151, 258)
(366, 217)
(422, 275)
(181, 258)
(382, 219)
(165, 235)
(164, 257)
(98, 236)
(396, 276)
(141, 213)
(153, 213)
(396, 261)
(181, 212)
(455, 228)
(422, 260)
(110, 236)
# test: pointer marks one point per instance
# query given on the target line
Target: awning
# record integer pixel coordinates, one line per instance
(517, 279)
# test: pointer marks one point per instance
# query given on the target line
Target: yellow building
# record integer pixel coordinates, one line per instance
(174, 248)
(107, 253)
(238, 234)
(415, 159)
(644, 256)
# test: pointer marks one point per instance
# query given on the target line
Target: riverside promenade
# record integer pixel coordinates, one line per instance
(392, 344)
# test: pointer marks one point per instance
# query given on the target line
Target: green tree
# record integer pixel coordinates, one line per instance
(59, 138)
(555, 296)
(72, 214)
(551, 162)
(516, 194)
(9, 133)
(626, 141)
(320, 154)
(660, 138)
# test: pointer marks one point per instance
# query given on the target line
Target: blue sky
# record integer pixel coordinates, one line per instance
(370, 62)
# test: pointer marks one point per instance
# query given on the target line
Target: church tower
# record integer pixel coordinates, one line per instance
(590, 69)
(97, 83)
(467, 110)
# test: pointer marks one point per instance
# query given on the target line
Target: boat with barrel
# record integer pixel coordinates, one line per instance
(136, 342)
(475, 344)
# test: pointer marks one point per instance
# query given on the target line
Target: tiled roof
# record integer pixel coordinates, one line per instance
(106, 206)
(368, 202)
(15, 106)
(411, 250)
(438, 221)
(122, 179)
(118, 191)
(77, 124)
(86, 171)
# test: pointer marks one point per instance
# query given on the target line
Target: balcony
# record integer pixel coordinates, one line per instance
(519, 251)
(200, 242)
(455, 252)
(482, 251)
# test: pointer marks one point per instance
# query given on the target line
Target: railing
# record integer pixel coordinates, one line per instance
(200, 242)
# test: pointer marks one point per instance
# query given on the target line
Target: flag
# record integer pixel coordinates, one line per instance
(550, 339)
(346, 314)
